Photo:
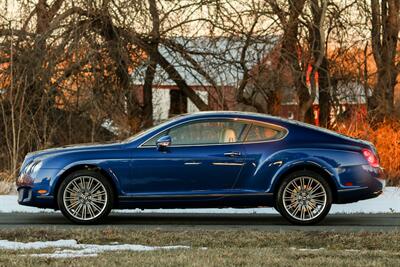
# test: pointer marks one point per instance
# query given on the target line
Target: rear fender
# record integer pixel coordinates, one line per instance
(311, 163)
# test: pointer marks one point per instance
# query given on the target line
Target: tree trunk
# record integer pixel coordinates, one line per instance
(289, 56)
(325, 98)
(385, 30)
(148, 94)
(320, 62)
(178, 103)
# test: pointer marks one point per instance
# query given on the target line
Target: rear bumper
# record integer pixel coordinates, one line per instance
(370, 188)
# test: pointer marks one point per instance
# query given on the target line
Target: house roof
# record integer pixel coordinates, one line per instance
(219, 57)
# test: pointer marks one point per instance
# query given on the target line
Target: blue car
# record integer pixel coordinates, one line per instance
(206, 160)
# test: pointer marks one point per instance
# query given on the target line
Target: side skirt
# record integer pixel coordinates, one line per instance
(237, 200)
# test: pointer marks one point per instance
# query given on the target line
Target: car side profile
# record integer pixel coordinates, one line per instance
(206, 160)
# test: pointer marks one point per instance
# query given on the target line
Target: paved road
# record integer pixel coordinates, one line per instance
(184, 221)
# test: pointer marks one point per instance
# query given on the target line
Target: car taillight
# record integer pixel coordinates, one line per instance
(372, 159)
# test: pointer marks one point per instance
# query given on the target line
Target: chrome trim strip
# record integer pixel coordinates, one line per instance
(227, 164)
(377, 193)
(196, 195)
(192, 163)
(352, 189)
(252, 121)
(279, 162)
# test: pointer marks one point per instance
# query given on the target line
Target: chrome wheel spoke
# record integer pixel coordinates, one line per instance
(90, 210)
(72, 190)
(101, 201)
(95, 206)
(72, 205)
(95, 188)
(317, 195)
(85, 197)
(98, 194)
(304, 198)
(313, 190)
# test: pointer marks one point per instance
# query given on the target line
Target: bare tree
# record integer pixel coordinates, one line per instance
(385, 27)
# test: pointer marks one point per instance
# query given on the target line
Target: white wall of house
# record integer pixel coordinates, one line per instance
(162, 102)
(191, 107)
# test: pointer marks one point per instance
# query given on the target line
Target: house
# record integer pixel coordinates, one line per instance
(347, 95)
(218, 57)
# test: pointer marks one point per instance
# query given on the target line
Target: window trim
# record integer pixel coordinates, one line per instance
(250, 123)
(271, 126)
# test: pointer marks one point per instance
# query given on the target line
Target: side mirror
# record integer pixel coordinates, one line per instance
(163, 142)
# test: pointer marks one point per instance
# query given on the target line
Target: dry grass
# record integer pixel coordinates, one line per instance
(7, 183)
(6, 176)
(386, 138)
(217, 257)
(224, 248)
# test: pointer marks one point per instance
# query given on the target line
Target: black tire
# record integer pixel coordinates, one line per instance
(108, 195)
(287, 181)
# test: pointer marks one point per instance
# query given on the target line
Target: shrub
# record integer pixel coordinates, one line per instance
(386, 138)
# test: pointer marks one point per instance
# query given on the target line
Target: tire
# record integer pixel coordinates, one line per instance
(304, 207)
(85, 197)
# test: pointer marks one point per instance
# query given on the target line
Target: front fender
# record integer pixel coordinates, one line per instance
(105, 167)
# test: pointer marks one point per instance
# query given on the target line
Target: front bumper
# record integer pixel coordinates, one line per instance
(27, 197)
(29, 187)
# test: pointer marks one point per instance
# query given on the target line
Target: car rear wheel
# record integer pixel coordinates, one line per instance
(85, 197)
(304, 198)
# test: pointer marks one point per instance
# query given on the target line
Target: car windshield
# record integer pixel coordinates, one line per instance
(146, 131)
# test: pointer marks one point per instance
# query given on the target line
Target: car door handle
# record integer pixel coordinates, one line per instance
(232, 154)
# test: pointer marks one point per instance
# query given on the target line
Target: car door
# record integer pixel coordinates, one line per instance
(204, 157)
(261, 142)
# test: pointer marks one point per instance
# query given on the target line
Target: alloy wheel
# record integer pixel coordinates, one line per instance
(85, 198)
(304, 198)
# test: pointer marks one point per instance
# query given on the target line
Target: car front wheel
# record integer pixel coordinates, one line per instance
(85, 197)
(304, 198)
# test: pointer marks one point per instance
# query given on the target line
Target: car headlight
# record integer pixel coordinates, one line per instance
(33, 167)
(27, 167)
(36, 166)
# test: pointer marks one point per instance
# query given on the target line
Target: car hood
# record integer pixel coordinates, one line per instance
(70, 148)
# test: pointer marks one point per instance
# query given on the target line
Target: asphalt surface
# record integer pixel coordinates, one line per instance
(185, 221)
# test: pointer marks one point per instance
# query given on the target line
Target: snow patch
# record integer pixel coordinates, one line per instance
(12, 245)
(62, 255)
(388, 202)
(308, 249)
(71, 248)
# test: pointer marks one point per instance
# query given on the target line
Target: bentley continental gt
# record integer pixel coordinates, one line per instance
(206, 160)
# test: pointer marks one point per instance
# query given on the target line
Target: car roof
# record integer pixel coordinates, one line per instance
(236, 114)
(262, 117)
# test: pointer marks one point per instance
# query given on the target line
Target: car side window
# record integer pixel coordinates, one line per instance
(261, 132)
(204, 132)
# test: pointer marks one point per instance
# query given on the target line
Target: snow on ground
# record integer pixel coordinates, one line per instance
(389, 201)
(71, 248)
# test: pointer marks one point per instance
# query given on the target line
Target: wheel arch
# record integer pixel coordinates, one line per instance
(310, 166)
(89, 167)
